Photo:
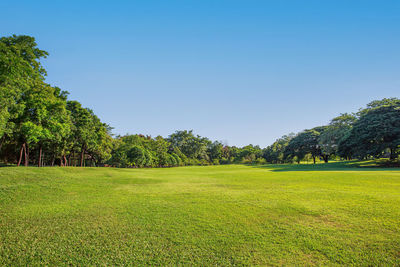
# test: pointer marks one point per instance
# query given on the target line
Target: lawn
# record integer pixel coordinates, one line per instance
(333, 214)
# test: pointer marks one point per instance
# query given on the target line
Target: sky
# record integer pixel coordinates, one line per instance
(242, 72)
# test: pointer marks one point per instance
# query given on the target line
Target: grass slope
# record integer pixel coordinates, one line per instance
(219, 215)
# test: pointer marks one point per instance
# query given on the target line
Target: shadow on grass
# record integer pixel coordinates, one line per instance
(7, 165)
(369, 165)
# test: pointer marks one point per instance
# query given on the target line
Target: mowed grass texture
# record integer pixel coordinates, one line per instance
(218, 215)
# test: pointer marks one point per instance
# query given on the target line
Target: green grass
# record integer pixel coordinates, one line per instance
(328, 214)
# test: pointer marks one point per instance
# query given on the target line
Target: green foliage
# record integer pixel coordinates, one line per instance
(275, 153)
(36, 117)
(143, 151)
(335, 132)
(215, 151)
(20, 70)
(373, 132)
(304, 143)
(194, 147)
(376, 131)
(249, 153)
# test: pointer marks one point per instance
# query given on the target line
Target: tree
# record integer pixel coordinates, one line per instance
(20, 69)
(137, 156)
(194, 147)
(377, 130)
(43, 121)
(83, 133)
(304, 143)
(250, 153)
(338, 128)
(100, 146)
(275, 153)
(215, 151)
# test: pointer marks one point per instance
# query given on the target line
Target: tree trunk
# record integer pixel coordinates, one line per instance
(326, 158)
(40, 156)
(20, 154)
(2, 141)
(65, 161)
(26, 150)
(82, 155)
(313, 157)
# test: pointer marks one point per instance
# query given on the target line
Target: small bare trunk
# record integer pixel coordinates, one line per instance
(82, 156)
(26, 151)
(40, 157)
(2, 141)
(20, 154)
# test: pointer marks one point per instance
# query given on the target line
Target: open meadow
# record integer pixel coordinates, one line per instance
(327, 214)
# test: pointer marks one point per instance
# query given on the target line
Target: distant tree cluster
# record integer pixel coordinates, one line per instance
(373, 132)
(40, 126)
(179, 149)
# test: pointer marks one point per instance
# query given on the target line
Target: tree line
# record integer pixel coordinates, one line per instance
(40, 126)
(372, 132)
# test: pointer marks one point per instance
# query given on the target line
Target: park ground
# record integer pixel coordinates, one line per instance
(328, 214)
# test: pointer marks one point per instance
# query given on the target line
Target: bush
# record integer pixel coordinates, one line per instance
(224, 161)
(260, 161)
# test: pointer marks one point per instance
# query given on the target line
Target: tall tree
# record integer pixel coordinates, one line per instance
(192, 146)
(275, 153)
(44, 120)
(83, 129)
(215, 151)
(20, 70)
(337, 129)
(377, 130)
(306, 142)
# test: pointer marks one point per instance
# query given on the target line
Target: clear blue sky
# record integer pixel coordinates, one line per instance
(237, 71)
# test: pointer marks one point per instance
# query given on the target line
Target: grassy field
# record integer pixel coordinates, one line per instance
(331, 214)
